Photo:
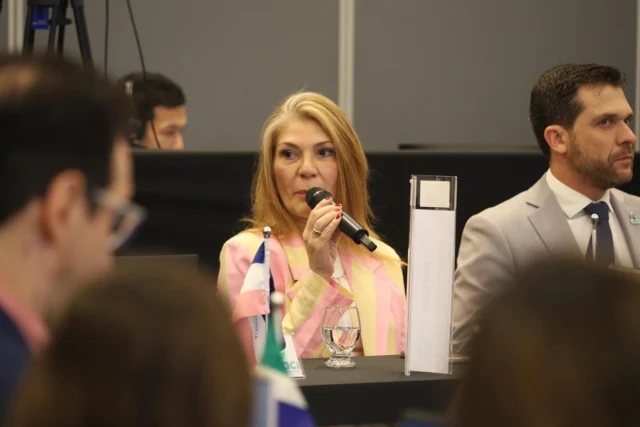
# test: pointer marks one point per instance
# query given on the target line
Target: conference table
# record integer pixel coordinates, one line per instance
(375, 391)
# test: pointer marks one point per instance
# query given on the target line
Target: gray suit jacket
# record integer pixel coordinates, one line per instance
(502, 240)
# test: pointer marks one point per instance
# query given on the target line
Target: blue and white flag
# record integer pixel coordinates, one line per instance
(253, 300)
(259, 282)
(278, 401)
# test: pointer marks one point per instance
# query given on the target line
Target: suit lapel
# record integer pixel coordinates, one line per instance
(550, 222)
(372, 297)
(368, 262)
(630, 231)
(296, 254)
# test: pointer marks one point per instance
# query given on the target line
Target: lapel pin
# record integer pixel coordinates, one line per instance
(633, 218)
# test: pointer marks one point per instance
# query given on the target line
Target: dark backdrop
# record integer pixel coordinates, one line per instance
(196, 200)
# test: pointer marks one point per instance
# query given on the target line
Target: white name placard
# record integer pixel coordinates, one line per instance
(291, 361)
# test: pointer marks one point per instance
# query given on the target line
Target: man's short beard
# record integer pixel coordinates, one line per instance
(600, 174)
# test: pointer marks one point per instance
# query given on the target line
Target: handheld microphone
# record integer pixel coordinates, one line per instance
(595, 219)
(347, 225)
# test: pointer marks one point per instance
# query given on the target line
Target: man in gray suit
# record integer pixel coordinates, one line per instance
(581, 119)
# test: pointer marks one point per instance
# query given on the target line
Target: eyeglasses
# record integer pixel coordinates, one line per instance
(128, 216)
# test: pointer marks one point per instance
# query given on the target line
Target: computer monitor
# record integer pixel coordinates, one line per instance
(195, 202)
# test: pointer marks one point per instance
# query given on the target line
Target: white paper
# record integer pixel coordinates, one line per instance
(430, 275)
(291, 361)
(435, 194)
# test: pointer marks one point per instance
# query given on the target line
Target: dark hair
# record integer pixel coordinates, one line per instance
(150, 91)
(554, 98)
(55, 115)
(146, 347)
(560, 347)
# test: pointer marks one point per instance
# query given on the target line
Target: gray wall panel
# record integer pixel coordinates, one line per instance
(427, 71)
(460, 71)
(236, 59)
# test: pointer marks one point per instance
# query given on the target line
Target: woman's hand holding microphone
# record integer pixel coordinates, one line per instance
(321, 237)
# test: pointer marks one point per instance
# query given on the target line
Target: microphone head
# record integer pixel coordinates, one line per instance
(315, 195)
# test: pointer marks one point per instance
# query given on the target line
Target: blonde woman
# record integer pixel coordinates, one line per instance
(308, 142)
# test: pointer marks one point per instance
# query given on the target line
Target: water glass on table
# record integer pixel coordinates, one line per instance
(341, 332)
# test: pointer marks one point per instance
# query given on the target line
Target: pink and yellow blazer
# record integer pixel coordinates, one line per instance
(377, 289)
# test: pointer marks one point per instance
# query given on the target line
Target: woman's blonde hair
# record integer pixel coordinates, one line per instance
(353, 170)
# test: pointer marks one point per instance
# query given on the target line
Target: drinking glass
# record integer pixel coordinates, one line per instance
(341, 332)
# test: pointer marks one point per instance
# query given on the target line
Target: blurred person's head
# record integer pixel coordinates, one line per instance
(308, 142)
(67, 179)
(160, 109)
(582, 121)
(145, 347)
(559, 348)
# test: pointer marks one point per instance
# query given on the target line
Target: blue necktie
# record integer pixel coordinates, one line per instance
(604, 238)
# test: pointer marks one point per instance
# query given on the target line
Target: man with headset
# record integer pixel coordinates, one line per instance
(160, 111)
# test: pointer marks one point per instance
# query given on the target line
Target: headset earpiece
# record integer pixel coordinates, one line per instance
(137, 127)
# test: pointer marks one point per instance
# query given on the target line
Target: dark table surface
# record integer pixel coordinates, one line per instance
(375, 391)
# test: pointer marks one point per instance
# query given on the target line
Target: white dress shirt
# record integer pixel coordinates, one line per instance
(573, 203)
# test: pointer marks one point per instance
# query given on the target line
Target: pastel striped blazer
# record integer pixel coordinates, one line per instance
(377, 288)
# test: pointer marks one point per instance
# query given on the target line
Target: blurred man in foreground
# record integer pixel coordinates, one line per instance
(67, 182)
(559, 347)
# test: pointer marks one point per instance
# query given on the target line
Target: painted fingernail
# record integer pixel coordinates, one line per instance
(339, 204)
(338, 216)
(338, 209)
